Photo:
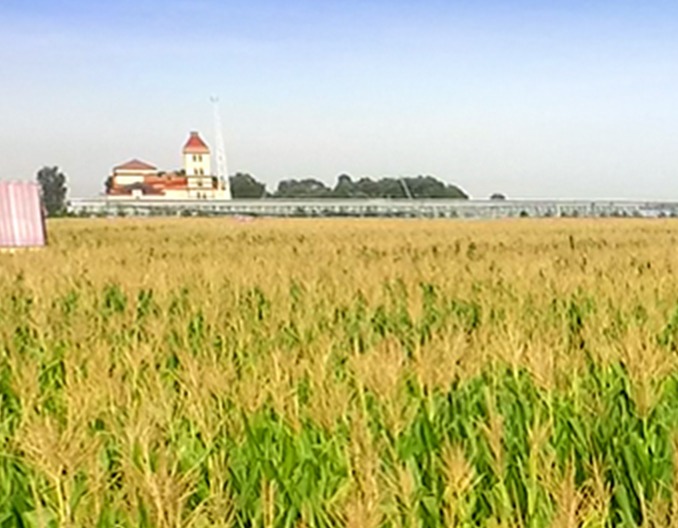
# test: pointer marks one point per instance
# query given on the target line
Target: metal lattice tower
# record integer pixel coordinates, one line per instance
(222, 167)
(406, 188)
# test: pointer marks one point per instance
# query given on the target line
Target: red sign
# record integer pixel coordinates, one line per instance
(21, 215)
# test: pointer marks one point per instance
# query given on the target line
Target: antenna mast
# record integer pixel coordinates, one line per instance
(222, 167)
(408, 194)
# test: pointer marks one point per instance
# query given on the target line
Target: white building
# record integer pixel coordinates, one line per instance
(140, 179)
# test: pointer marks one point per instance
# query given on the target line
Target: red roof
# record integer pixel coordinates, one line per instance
(195, 145)
(135, 165)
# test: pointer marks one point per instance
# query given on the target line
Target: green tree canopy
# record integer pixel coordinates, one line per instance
(245, 186)
(307, 188)
(346, 187)
(54, 190)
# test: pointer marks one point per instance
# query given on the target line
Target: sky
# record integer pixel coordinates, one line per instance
(533, 99)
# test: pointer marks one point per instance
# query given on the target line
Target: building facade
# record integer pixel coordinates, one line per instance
(137, 179)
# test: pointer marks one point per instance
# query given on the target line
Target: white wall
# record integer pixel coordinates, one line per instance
(199, 182)
(128, 179)
(176, 193)
(195, 163)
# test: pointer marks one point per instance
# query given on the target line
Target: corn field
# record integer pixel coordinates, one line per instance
(287, 373)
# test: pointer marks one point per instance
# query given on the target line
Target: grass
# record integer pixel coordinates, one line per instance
(198, 372)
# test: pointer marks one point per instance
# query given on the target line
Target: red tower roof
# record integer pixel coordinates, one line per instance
(195, 145)
(135, 165)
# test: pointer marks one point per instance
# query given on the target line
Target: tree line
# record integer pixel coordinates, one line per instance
(244, 185)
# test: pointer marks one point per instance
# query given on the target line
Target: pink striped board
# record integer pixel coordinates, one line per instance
(21, 216)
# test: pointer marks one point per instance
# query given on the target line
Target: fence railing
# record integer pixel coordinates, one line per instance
(103, 206)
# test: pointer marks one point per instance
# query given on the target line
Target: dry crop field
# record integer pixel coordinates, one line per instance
(198, 372)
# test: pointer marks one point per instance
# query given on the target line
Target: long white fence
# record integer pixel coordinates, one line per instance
(102, 206)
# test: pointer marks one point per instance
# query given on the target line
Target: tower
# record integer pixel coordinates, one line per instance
(197, 165)
(197, 156)
(222, 168)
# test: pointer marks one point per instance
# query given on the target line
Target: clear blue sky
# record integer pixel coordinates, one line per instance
(534, 99)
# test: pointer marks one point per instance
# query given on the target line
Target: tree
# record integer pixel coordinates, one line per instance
(53, 184)
(366, 188)
(497, 196)
(345, 188)
(308, 188)
(430, 187)
(419, 187)
(245, 186)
